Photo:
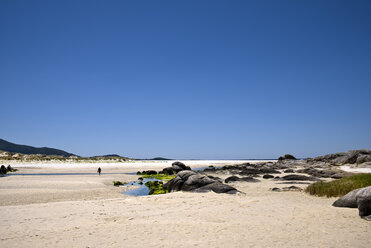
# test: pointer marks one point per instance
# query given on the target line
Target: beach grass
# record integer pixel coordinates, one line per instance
(339, 187)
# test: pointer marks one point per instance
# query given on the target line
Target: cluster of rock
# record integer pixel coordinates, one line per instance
(175, 168)
(350, 157)
(192, 181)
(358, 198)
(4, 170)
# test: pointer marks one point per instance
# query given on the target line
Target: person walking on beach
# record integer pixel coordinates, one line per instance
(99, 171)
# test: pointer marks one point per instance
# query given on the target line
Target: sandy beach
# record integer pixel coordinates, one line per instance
(86, 210)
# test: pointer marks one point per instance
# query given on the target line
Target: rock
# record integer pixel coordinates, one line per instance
(295, 177)
(243, 179)
(287, 156)
(168, 171)
(150, 172)
(3, 170)
(347, 201)
(358, 198)
(194, 182)
(364, 202)
(217, 188)
(289, 171)
(349, 157)
(268, 176)
(363, 159)
(292, 188)
(269, 170)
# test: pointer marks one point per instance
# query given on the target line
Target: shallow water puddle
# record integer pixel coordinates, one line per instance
(142, 190)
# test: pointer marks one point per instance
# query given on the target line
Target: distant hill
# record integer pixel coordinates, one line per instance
(160, 158)
(11, 147)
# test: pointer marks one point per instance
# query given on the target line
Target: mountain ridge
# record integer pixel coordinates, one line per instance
(26, 149)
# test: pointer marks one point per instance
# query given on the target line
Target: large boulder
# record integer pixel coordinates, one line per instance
(364, 202)
(347, 201)
(217, 188)
(360, 198)
(191, 181)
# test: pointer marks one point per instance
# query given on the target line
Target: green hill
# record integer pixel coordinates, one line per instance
(11, 147)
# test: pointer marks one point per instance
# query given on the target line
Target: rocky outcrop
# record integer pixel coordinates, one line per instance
(191, 181)
(358, 198)
(341, 158)
(286, 157)
(175, 168)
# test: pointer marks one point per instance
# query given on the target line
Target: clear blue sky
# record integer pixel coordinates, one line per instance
(187, 79)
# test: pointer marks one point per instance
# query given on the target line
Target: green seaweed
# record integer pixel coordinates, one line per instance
(156, 187)
(159, 176)
(117, 183)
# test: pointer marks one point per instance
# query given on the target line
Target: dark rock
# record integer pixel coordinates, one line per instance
(289, 171)
(3, 169)
(268, 176)
(195, 182)
(276, 190)
(216, 178)
(350, 157)
(150, 172)
(360, 198)
(243, 179)
(217, 188)
(295, 177)
(364, 202)
(286, 157)
(347, 201)
(140, 178)
(168, 171)
(269, 170)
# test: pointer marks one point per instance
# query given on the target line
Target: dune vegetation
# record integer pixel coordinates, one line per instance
(339, 187)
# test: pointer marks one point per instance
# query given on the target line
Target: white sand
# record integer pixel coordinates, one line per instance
(87, 211)
(355, 170)
(141, 164)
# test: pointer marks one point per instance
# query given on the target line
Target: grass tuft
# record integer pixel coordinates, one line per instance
(117, 183)
(339, 187)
